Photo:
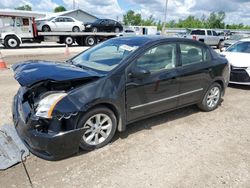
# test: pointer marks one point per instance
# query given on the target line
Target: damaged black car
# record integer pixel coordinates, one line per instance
(61, 107)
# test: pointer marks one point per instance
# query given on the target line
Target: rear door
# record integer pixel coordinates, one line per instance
(157, 91)
(194, 73)
(210, 38)
(69, 23)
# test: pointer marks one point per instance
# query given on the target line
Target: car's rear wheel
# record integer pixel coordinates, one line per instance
(212, 98)
(101, 125)
(46, 28)
(90, 41)
(94, 29)
(76, 29)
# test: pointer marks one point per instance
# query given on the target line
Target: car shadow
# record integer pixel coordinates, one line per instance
(149, 123)
(237, 86)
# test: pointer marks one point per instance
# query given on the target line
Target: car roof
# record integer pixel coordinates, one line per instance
(154, 38)
(245, 40)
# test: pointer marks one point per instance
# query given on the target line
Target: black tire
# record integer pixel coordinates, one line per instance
(117, 30)
(11, 42)
(204, 106)
(69, 40)
(94, 29)
(46, 28)
(76, 29)
(90, 41)
(97, 110)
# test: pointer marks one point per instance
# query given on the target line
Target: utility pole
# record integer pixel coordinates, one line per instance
(165, 19)
(74, 4)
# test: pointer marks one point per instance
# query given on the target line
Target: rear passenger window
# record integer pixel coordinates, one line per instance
(198, 32)
(191, 54)
(209, 32)
(214, 33)
(162, 57)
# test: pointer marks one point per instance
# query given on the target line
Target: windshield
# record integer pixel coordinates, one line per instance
(242, 47)
(107, 55)
(236, 37)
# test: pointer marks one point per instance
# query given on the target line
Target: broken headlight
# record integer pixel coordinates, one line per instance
(47, 105)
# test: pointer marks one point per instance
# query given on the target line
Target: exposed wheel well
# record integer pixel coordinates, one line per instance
(222, 85)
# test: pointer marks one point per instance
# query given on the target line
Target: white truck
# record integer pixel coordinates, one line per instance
(17, 27)
(208, 36)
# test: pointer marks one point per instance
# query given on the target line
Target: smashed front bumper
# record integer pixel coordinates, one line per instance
(47, 145)
(239, 75)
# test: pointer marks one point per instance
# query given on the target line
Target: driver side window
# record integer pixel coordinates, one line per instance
(162, 57)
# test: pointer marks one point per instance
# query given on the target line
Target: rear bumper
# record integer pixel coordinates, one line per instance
(50, 145)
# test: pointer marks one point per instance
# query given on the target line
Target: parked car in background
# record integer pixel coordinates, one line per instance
(84, 102)
(238, 56)
(104, 25)
(233, 39)
(60, 23)
(127, 32)
(208, 36)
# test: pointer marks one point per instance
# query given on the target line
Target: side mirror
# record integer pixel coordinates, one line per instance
(139, 72)
(53, 21)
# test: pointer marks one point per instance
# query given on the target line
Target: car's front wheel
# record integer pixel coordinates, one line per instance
(94, 29)
(101, 126)
(212, 98)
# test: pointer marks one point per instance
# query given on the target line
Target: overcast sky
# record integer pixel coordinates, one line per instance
(237, 11)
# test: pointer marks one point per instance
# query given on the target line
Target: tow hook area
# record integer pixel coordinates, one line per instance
(12, 150)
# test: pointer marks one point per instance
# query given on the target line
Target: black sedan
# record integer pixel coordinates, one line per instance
(104, 25)
(61, 107)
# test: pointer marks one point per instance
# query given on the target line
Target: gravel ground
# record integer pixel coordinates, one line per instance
(183, 148)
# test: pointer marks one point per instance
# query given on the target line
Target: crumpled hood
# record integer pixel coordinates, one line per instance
(30, 72)
(238, 59)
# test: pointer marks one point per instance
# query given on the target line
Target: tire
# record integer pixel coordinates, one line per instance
(117, 30)
(11, 42)
(88, 141)
(90, 41)
(76, 29)
(210, 103)
(94, 29)
(69, 40)
(46, 28)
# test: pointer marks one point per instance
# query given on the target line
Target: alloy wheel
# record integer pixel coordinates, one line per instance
(213, 97)
(99, 128)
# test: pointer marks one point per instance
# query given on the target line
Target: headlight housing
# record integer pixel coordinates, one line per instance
(88, 26)
(47, 104)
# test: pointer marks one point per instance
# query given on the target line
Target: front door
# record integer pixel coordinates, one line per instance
(23, 27)
(156, 91)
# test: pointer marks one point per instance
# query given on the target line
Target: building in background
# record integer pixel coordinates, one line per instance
(78, 14)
